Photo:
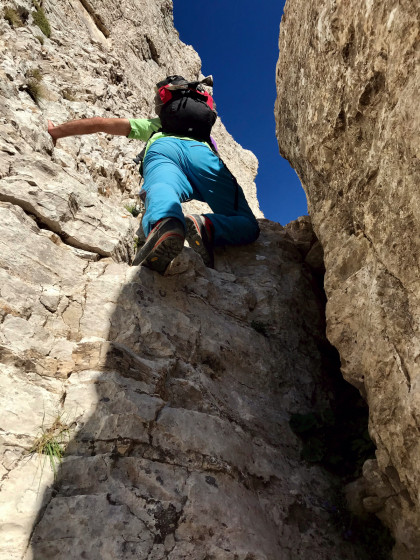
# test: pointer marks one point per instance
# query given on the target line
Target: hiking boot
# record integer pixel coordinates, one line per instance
(199, 238)
(162, 245)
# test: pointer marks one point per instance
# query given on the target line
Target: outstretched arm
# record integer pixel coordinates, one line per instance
(119, 127)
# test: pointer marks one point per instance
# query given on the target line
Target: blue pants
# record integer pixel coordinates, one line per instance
(179, 170)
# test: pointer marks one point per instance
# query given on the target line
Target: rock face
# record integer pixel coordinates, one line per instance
(173, 394)
(178, 392)
(348, 120)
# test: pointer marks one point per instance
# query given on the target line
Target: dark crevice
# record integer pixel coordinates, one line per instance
(167, 520)
(349, 48)
(336, 437)
(374, 86)
(153, 51)
(48, 225)
(66, 240)
(201, 463)
(341, 121)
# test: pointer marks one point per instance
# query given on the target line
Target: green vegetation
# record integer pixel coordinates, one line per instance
(133, 209)
(52, 442)
(13, 17)
(34, 90)
(40, 39)
(40, 19)
(34, 73)
(33, 86)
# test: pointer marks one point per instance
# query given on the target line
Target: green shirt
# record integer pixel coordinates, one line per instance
(142, 129)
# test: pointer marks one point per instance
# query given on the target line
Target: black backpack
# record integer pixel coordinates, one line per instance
(186, 108)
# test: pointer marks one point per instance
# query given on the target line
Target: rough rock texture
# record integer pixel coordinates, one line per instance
(86, 74)
(177, 390)
(180, 444)
(348, 120)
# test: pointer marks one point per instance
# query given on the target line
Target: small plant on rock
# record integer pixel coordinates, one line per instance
(40, 19)
(133, 209)
(13, 17)
(33, 86)
(52, 442)
(34, 90)
(34, 73)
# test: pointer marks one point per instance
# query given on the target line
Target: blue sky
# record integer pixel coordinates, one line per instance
(237, 41)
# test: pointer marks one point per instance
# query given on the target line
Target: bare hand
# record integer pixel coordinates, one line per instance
(51, 128)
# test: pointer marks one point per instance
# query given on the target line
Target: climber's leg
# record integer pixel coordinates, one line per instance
(165, 187)
(233, 220)
(165, 183)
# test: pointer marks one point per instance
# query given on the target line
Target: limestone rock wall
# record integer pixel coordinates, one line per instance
(86, 73)
(172, 393)
(348, 120)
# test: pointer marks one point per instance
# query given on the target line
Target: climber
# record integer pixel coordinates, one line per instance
(180, 163)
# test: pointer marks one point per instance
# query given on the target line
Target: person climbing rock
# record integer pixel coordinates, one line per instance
(180, 163)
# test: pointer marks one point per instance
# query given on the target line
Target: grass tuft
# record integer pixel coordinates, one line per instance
(40, 39)
(33, 85)
(34, 73)
(133, 209)
(13, 17)
(52, 443)
(34, 90)
(40, 19)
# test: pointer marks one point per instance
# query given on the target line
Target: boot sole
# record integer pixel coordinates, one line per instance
(165, 250)
(196, 242)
